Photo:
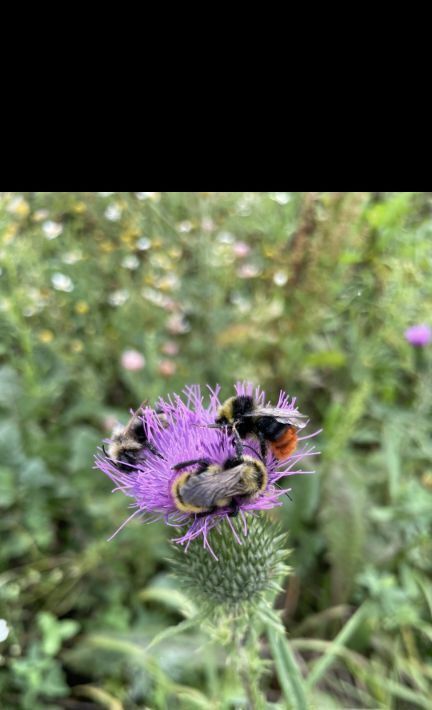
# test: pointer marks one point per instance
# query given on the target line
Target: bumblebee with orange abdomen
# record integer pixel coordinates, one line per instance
(273, 426)
(209, 486)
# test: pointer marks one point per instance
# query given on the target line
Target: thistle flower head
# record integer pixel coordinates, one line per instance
(419, 335)
(177, 430)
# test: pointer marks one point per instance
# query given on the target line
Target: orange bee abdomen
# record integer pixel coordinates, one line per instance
(286, 444)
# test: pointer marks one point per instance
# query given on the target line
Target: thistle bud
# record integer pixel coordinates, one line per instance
(249, 568)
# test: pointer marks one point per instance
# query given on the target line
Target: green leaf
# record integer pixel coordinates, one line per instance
(320, 668)
(54, 632)
(173, 631)
(10, 387)
(289, 675)
(171, 598)
(391, 445)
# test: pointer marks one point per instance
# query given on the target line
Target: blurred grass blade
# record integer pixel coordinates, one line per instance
(426, 588)
(172, 631)
(99, 696)
(391, 445)
(405, 693)
(326, 660)
(171, 598)
(271, 619)
(194, 698)
(288, 672)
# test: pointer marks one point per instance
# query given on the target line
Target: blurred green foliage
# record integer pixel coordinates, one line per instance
(310, 292)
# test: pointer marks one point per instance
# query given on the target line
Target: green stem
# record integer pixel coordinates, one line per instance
(246, 659)
(290, 678)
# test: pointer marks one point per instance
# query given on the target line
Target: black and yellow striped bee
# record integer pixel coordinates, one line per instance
(206, 486)
(128, 442)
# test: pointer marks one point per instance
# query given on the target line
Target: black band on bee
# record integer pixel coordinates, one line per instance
(232, 462)
(260, 478)
(184, 464)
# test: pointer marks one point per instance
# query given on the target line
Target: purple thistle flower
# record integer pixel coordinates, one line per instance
(419, 335)
(185, 436)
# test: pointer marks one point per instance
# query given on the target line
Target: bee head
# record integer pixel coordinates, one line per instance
(225, 414)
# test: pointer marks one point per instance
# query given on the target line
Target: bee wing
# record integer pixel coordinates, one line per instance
(285, 416)
(204, 489)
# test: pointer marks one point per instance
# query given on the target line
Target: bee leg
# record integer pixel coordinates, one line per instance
(207, 512)
(108, 457)
(153, 449)
(235, 508)
(263, 445)
(205, 463)
(237, 442)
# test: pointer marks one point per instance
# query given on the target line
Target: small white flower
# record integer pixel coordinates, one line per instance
(113, 213)
(105, 194)
(61, 282)
(169, 281)
(71, 257)
(29, 311)
(143, 243)
(185, 226)
(282, 198)
(52, 229)
(280, 278)
(4, 630)
(241, 303)
(155, 196)
(39, 215)
(150, 294)
(225, 238)
(18, 206)
(130, 262)
(118, 298)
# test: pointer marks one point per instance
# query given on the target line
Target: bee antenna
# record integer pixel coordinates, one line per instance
(286, 492)
(247, 446)
(103, 449)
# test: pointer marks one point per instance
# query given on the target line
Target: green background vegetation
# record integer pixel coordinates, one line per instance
(310, 292)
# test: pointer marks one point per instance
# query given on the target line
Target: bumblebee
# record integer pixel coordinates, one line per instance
(127, 442)
(273, 426)
(206, 486)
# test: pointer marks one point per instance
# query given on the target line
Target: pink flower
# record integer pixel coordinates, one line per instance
(207, 224)
(247, 271)
(167, 368)
(132, 360)
(177, 324)
(170, 348)
(241, 249)
(419, 335)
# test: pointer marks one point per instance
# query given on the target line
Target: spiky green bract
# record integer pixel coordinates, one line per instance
(244, 578)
